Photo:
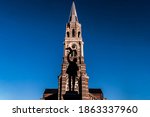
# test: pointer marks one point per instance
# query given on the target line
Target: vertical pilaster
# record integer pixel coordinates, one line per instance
(84, 86)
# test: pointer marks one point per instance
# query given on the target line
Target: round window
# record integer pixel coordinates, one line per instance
(74, 46)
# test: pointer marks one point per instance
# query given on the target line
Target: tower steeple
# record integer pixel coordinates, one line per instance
(73, 14)
(73, 40)
(70, 75)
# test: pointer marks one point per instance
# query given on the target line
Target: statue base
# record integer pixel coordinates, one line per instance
(72, 95)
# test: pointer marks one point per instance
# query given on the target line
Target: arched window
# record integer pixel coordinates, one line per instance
(68, 34)
(73, 33)
(68, 25)
(79, 34)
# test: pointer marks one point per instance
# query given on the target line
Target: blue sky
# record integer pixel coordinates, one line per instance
(116, 35)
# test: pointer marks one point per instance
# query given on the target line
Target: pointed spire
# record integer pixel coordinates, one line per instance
(73, 14)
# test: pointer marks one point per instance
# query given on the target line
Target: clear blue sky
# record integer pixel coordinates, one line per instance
(116, 34)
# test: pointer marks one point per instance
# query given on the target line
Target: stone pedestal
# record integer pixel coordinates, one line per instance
(72, 95)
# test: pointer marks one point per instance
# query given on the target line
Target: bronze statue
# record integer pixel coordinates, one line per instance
(72, 69)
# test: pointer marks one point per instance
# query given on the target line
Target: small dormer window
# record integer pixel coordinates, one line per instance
(76, 18)
(70, 18)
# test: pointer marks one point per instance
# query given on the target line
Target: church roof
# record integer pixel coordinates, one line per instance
(50, 91)
(91, 90)
(95, 90)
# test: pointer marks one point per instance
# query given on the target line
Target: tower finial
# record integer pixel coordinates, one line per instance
(73, 13)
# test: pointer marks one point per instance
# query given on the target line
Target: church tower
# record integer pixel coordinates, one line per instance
(73, 39)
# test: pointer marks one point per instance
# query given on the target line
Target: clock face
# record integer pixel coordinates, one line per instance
(74, 46)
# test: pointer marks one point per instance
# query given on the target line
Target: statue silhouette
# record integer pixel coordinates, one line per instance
(72, 69)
